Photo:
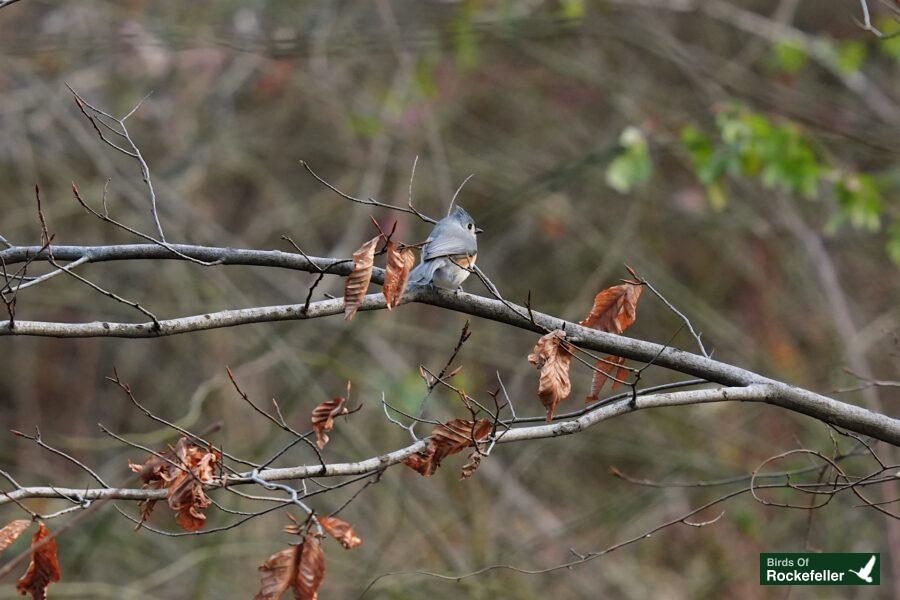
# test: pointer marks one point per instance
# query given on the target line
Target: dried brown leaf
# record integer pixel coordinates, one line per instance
(357, 282)
(278, 574)
(399, 264)
(183, 470)
(470, 466)
(604, 372)
(310, 570)
(341, 531)
(44, 567)
(552, 356)
(614, 309)
(11, 532)
(447, 439)
(323, 418)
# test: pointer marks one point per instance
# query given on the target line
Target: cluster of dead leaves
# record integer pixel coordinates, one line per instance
(447, 439)
(613, 311)
(44, 566)
(182, 470)
(302, 566)
(400, 260)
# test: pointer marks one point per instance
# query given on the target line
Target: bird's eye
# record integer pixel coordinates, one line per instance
(469, 226)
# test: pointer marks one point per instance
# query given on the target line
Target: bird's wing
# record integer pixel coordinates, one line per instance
(869, 565)
(450, 240)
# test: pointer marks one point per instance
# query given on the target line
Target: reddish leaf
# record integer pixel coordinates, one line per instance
(44, 567)
(341, 531)
(399, 264)
(473, 463)
(310, 570)
(278, 574)
(11, 532)
(357, 282)
(323, 418)
(552, 357)
(604, 372)
(449, 438)
(615, 308)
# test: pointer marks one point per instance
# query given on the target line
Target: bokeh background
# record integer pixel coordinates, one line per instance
(771, 221)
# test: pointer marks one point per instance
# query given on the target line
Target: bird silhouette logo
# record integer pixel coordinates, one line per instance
(866, 572)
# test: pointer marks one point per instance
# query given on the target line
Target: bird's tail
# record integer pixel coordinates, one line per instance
(423, 273)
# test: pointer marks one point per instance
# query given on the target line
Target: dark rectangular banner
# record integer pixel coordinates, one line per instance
(819, 568)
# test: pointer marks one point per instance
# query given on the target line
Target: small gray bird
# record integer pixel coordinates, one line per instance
(448, 253)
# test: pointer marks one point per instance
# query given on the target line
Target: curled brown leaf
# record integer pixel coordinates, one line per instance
(357, 282)
(604, 372)
(614, 309)
(447, 439)
(310, 569)
(341, 531)
(399, 264)
(552, 356)
(278, 574)
(182, 470)
(322, 418)
(43, 568)
(470, 466)
(11, 532)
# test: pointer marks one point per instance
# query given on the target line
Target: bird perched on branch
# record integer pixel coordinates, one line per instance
(449, 253)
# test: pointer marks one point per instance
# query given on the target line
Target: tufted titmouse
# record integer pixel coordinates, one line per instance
(449, 252)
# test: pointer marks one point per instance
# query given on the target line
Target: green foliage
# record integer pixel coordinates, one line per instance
(753, 146)
(779, 155)
(465, 41)
(366, 125)
(893, 243)
(850, 55)
(890, 46)
(788, 57)
(632, 166)
(571, 9)
(860, 200)
(424, 76)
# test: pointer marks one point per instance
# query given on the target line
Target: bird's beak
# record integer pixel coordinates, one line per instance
(478, 230)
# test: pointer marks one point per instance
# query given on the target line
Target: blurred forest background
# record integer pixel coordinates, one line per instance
(742, 156)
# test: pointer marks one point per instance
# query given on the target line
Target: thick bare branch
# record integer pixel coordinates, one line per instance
(754, 393)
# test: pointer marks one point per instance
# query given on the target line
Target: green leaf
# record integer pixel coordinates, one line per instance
(571, 9)
(465, 42)
(890, 46)
(859, 200)
(789, 58)
(365, 125)
(424, 77)
(893, 243)
(715, 195)
(850, 56)
(632, 165)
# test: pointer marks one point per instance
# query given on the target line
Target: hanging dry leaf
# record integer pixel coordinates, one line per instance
(323, 418)
(473, 463)
(604, 372)
(310, 570)
(399, 264)
(183, 470)
(11, 532)
(341, 531)
(357, 282)
(614, 309)
(44, 567)
(552, 357)
(277, 574)
(447, 439)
